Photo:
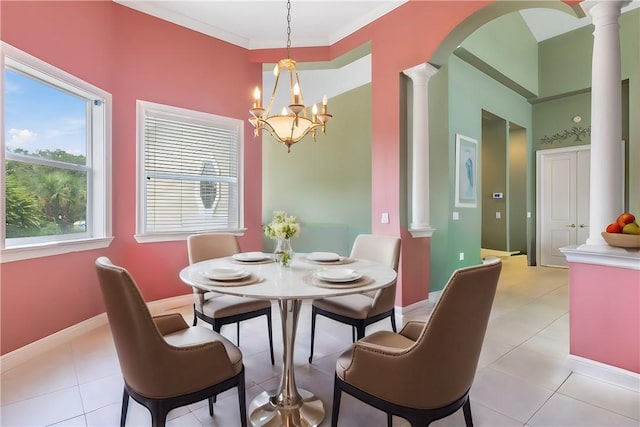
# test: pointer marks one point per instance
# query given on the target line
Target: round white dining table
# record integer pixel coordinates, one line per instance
(289, 286)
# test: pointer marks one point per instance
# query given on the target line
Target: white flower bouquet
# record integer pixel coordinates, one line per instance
(282, 226)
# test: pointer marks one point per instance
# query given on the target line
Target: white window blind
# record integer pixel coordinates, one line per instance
(191, 168)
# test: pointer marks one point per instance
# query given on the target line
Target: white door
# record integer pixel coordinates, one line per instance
(563, 202)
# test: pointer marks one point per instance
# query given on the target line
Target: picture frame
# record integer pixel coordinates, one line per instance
(466, 186)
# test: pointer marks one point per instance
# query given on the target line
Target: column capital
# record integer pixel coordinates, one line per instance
(421, 73)
(602, 8)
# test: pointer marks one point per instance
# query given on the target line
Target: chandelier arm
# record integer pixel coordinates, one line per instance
(273, 93)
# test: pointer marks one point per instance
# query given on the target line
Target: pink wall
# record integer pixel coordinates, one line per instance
(132, 56)
(604, 314)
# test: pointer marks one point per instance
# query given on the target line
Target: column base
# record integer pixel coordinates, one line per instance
(418, 231)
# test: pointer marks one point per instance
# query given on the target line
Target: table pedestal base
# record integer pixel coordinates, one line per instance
(266, 411)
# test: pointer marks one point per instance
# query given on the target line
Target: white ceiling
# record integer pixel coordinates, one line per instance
(261, 24)
(547, 23)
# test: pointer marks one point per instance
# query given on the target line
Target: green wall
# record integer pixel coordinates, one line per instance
(517, 190)
(494, 180)
(507, 45)
(326, 184)
(564, 79)
(467, 92)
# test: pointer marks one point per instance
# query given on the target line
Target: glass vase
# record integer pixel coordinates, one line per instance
(284, 253)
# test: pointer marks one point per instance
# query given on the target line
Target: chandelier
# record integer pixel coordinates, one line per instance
(292, 124)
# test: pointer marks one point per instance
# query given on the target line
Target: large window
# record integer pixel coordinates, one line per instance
(55, 160)
(189, 168)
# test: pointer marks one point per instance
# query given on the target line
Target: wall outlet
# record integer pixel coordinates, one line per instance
(498, 215)
(461, 256)
(528, 214)
(384, 218)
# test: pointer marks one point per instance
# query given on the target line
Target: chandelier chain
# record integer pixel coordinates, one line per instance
(288, 28)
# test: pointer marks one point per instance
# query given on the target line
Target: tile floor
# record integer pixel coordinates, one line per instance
(522, 379)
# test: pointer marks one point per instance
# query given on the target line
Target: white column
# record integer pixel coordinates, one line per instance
(420, 215)
(605, 203)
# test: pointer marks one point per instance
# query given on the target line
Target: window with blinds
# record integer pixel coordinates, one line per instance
(190, 164)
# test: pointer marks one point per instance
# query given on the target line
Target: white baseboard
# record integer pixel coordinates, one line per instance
(495, 252)
(402, 311)
(22, 354)
(601, 371)
(434, 296)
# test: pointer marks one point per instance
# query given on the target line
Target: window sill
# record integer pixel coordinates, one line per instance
(172, 237)
(54, 248)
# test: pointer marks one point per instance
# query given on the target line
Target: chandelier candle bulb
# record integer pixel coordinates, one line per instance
(256, 96)
(296, 94)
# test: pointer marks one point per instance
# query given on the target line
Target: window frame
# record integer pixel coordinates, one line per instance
(142, 235)
(99, 218)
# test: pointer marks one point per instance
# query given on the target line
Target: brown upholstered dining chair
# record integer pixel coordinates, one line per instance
(216, 309)
(361, 310)
(165, 362)
(424, 373)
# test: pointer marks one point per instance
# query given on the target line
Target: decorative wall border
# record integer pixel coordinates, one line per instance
(576, 131)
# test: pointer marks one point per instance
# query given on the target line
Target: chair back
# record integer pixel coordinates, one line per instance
(385, 250)
(138, 342)
(441, 365)
(378, 248)
(211, 245)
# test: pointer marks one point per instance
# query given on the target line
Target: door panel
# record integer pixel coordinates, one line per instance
(558, 210)
(564, 202)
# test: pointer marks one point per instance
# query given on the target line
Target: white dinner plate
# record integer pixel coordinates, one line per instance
(226, 273)
(250, 256)
(323, 256)
(338, 275)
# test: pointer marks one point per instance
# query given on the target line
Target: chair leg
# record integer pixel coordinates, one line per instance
(158, 414)
(269, 326)
(393, 321)
(210, 406)
(353, 334)
(466, 409)
(195, 318)
(242, 400)
(389, 421)
(125, 406)
(337, 394)
(313, 331)
(360, 330)
(238, 334)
